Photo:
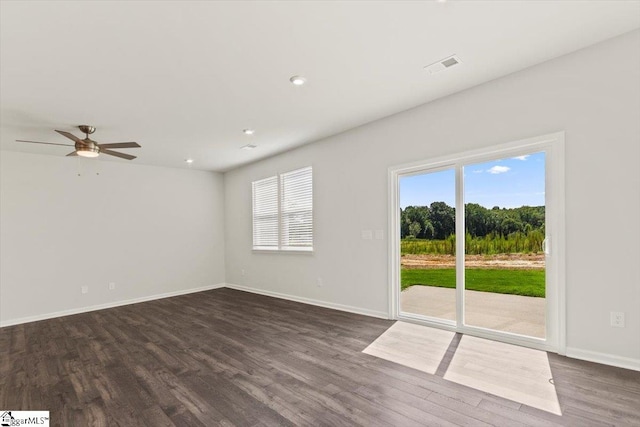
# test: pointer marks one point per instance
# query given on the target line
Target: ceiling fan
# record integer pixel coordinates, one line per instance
(89, 148)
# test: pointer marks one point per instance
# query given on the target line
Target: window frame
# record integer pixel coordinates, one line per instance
(281, 246)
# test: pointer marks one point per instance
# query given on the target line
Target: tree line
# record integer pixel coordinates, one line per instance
(437, 221)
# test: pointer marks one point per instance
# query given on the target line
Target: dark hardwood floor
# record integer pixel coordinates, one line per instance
(226, 357)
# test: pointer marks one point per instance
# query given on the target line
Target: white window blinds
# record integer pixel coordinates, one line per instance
(283, 211)
(265, 213)
(296, 230)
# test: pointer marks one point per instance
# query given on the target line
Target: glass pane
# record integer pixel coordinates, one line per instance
(297, 209)
(265, 213)
(428, 257)
(505, 229)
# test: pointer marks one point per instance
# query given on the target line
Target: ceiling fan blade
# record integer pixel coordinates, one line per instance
(69, 135)
(117, 154)
(48, 143)
(120, 145)
(73, 153)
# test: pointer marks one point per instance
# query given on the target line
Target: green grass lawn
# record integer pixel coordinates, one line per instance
(517, 282)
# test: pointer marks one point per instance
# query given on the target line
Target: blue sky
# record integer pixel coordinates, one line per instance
(508, 183)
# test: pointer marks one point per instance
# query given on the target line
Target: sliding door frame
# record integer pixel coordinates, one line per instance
(553, 146)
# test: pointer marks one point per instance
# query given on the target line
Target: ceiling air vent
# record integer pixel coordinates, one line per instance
(443, 64)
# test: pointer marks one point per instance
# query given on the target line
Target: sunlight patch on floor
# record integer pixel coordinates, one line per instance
(416, 346)
(513, 372)
(516, 373)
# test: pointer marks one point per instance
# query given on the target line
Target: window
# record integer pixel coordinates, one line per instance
(283, 212)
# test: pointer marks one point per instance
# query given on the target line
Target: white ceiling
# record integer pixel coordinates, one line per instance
(184, 78)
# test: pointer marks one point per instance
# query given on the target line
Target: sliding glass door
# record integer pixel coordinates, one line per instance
(472, 245)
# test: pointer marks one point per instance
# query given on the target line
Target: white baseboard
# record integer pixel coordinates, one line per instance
(311, 301)
(604, 358)
(18, 321)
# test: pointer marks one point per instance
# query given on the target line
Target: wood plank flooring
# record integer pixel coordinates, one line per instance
(412, 345)
(226, 357)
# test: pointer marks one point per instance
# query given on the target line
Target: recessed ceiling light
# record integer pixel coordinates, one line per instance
(188, 160)
(249, 131)
(248, 147)
(298, 80)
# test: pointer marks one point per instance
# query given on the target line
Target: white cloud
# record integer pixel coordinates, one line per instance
(478, 171)
(523, 158)
(499, 169)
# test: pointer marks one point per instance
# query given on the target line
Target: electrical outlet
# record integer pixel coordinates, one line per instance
(367, 235)
(112, 286)
(84, 289)
(319, 282)
(617, 319)
(244, 272)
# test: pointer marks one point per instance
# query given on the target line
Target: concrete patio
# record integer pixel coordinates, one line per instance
(502, 312)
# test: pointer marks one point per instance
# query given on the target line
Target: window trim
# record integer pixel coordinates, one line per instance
(281, 248)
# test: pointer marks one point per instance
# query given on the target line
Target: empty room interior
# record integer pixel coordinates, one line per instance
(322, 213)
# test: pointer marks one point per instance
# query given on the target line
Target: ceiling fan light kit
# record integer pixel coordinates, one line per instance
(87, 151)
(88, 148)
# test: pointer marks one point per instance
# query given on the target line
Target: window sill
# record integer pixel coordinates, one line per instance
(309, 251)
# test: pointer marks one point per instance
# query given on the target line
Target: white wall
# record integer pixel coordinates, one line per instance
(151, 230)
(593, 95)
